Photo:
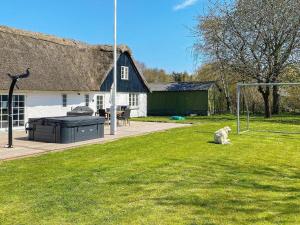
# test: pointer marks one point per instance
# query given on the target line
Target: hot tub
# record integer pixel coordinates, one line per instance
(67, 129)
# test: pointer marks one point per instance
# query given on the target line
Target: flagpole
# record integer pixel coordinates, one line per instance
(113, 119)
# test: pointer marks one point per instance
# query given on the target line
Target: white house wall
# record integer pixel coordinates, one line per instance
(48, 103)
(41, 104)
(140, 110)
(123, 99)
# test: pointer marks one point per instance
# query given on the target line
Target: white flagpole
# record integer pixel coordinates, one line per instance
(113, 108)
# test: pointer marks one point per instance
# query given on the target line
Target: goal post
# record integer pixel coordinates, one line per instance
(241, 87)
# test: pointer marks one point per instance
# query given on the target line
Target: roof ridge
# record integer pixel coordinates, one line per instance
(185, 82)
(43, 37)
(61, 41)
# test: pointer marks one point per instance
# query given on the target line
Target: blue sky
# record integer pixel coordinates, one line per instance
(156, 30)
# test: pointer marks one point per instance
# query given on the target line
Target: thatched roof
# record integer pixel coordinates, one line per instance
(182, 86)
(56, 64)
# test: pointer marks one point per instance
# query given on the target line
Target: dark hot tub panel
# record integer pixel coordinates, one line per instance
(67, 129)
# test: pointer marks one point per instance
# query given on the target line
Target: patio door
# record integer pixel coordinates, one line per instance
(100, 102)
(18, 111)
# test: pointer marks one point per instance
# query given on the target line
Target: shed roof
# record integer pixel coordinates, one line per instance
(182, 86)
(57, 64)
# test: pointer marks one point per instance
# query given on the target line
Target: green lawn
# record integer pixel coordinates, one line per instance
(173, 177)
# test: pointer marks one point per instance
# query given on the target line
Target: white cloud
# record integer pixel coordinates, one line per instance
(184, 4)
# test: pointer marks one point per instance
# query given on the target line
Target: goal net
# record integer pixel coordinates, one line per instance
(282, 103)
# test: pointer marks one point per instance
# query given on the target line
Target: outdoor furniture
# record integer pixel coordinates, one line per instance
(65, 129)
(124, 107)
(119, 113)
(81, 111)
(125, 116)
(121, 107)
(103, 113)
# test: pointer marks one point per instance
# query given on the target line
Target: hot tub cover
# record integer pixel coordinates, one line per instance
(81, 111)
(70, 121)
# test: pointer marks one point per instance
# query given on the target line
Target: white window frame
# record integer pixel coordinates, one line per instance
(98, 102)
(64, 100)
(87, 100)
(124, 72)
(133, 99)
(19, 110)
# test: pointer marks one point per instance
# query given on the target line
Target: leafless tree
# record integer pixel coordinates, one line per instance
(258, 39)
(218, 73)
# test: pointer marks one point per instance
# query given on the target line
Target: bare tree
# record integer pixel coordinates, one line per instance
(223, 77)
(258, 39)
(225, 85)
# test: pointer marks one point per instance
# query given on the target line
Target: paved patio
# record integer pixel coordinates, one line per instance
(24, 148)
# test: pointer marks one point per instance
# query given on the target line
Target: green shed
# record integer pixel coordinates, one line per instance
(183, 98)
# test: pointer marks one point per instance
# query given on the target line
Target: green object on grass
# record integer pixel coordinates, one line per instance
(177, 118)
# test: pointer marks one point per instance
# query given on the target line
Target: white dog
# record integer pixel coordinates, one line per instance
(221, 136)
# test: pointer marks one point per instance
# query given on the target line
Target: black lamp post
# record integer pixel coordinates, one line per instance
(14, 81)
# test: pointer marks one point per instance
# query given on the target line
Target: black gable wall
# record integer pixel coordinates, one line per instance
(134, 82)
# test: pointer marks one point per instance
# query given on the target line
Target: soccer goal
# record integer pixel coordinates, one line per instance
(283, 103)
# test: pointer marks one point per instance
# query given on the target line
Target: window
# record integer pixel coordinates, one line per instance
(133, 99)
(64, 100)
(18, 110)
(124, 72)
(100, 102)
(87, 100)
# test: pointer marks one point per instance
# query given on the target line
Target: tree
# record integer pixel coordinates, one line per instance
(224, 78)
(154, 75)
(257, 39)
(180, 77)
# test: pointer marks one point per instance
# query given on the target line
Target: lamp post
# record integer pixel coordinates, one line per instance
(113, 109)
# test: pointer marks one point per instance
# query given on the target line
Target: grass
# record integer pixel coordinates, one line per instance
(173, 177)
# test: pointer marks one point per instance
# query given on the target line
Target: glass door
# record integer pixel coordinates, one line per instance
(100, 102)
(18, 105)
